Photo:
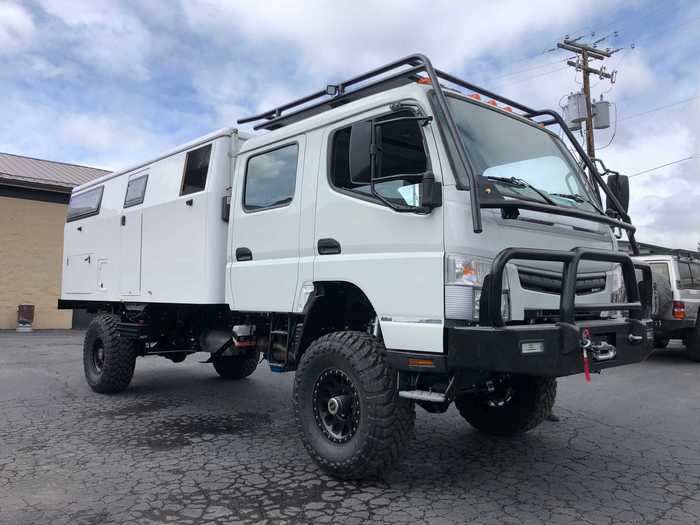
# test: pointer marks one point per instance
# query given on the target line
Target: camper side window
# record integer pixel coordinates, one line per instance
(271, 178)
(135, 191)
(85, 204)
(196, 168)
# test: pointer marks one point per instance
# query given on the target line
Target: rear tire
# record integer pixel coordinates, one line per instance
(236, 367)
(661, 342)
(363, 434)
(108, 359)
(692, 342)
(519, 404)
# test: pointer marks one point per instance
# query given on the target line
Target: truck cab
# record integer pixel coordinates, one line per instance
(677, 281)
(393, 242)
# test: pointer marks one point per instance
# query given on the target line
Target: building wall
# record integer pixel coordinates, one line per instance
(31, 252)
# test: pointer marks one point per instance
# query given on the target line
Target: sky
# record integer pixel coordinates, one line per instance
(109, 83)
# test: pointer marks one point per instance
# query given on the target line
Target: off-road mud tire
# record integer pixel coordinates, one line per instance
(118, 357)
(532, 399)
(385, 421)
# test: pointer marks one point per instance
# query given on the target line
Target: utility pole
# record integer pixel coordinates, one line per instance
(587, 53)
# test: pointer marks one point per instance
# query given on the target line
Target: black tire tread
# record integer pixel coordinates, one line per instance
(527, 412)
(120, 355)
(392, 417)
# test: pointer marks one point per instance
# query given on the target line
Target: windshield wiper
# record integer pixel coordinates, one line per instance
(577, 198)
(520, 183)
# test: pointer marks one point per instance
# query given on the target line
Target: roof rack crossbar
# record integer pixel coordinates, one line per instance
(329, 103)
(341, 90)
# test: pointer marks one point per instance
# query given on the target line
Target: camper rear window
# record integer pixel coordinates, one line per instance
(196, 168)
(135, 191)
(85, 204)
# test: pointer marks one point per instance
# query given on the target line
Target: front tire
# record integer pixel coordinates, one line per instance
(108, 359)
(349, 415)
(236, 367)
(517, 404)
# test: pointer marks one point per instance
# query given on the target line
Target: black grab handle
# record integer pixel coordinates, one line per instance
(244, 254)
(328, 247)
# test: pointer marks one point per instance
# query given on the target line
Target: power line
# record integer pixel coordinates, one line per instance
(664, 165)
(653, 110)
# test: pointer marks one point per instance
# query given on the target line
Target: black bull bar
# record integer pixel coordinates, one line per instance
(556, 349)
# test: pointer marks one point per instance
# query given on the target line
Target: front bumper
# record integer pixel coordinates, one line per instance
(546, 349)
(556, 349)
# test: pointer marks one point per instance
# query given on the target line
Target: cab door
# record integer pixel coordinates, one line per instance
(130, 235)
(395, 257)
(264, 258)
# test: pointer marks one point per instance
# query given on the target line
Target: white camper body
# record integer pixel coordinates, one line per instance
(159, 244)
(393, 243)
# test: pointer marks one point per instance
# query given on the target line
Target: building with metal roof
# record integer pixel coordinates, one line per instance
(34, 195)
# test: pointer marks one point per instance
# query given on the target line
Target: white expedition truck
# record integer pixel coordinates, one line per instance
(393, 241)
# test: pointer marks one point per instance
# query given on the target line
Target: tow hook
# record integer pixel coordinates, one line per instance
(602, 351)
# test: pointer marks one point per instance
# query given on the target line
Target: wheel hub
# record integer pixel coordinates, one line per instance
(336, 405)
(98, 357)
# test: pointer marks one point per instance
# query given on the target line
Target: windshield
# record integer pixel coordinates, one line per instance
(522, 159)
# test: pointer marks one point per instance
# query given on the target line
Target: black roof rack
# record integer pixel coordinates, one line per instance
(338, 94)
(408, 70)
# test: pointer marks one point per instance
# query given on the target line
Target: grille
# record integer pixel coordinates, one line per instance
(551, 283)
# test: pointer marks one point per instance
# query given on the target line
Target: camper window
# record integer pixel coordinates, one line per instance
(270, 178)
(196, 167)
(135, 191)
(84, 204)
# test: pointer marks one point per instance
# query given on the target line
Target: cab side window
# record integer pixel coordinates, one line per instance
(400, 151)
(196, 168)
(270, 178)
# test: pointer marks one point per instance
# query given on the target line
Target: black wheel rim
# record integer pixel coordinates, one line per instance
(336, 404)
(98, 356)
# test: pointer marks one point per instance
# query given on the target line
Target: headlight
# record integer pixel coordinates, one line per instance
(464, 279)
(618, 292)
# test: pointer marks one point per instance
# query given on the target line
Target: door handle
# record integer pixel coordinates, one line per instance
(189, 202)
(123, 220)
(244, 254)
(328, 247)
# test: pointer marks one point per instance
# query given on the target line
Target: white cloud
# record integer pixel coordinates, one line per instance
(16, 27)
(108, 140)
(105, 35)
(361, 35)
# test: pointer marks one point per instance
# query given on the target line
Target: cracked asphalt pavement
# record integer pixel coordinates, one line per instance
(182, 445)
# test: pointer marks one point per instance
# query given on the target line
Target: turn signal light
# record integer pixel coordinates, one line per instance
(414, 361)
(679, 310)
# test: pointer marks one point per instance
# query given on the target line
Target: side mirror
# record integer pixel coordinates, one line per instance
(360, 159)
(430, 192)
(620, 187)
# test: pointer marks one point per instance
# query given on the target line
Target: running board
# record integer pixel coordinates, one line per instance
(423, 395)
